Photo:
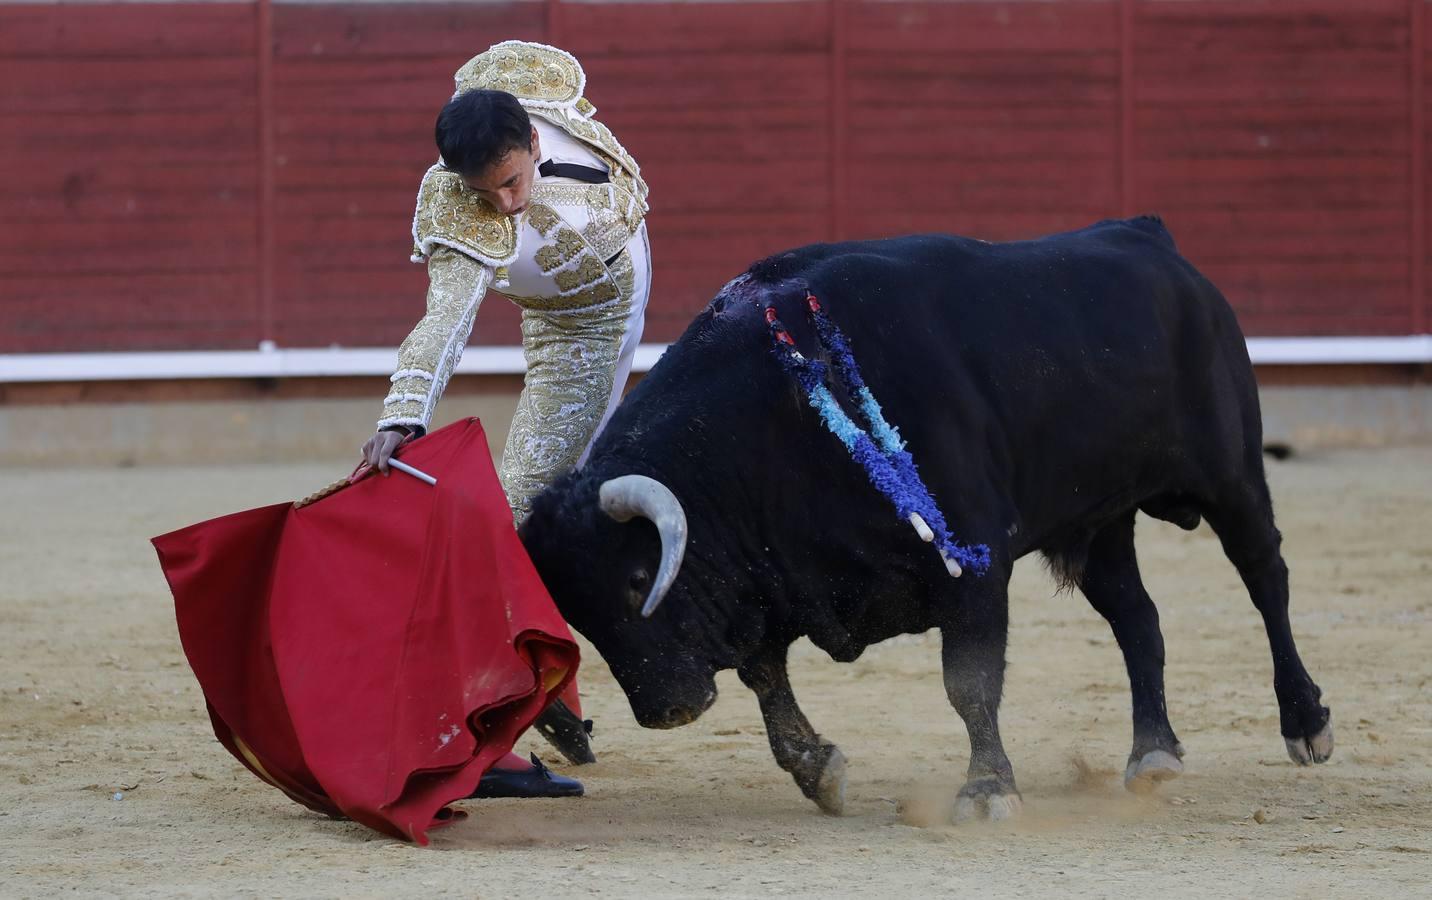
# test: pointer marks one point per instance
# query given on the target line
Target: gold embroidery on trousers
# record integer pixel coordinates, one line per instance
(604, 291)
(571, 365)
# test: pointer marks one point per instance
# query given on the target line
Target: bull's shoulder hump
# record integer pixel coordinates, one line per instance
(1150, 228)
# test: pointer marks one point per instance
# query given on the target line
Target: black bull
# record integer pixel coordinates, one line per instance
(1048, 390)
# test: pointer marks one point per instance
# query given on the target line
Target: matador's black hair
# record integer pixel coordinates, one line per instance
(478, 128)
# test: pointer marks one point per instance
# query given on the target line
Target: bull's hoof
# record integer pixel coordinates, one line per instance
(1150, 770)
(830, 788)
(1315, 749)
(987, 798)
(820, 774)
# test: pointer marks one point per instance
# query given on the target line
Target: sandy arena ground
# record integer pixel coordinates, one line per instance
(111, 781)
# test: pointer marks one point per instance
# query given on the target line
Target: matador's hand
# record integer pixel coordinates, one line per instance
(379, 448)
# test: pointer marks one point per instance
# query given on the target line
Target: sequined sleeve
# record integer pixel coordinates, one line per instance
(426, 359)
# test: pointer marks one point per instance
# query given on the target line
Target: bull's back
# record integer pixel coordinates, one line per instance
(1068, 363)
(1031, 322)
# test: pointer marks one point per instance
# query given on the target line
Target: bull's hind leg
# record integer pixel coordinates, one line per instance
(973, 657)
(1243, 519)
(816, 764)
(1112, 583)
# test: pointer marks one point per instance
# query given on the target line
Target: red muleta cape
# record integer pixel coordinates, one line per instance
(371, 654)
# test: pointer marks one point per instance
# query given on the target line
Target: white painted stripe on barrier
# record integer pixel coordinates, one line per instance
(268, 362)
(122, 2)
(271, 362)
(276, 2)
(1412, 348)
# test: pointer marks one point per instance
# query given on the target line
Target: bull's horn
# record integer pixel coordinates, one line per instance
(630, 496)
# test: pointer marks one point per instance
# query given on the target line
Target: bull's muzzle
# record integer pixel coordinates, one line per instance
(677, 715)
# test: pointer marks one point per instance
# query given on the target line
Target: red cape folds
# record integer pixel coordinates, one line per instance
(373, 653)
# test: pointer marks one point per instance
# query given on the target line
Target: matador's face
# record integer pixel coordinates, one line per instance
(507, 183)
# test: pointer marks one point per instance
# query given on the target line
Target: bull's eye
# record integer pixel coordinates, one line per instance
(638, 585)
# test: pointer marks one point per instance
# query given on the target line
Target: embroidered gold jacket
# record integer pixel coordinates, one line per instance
(562, 255)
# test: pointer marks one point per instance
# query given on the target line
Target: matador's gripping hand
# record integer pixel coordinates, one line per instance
(379, 449)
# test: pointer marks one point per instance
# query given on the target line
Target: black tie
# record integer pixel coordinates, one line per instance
(549, 169)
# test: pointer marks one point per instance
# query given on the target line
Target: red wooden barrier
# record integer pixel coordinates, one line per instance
(207, 175)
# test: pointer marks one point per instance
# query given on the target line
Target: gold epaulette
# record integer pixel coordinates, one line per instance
(535, 73)
(549, 83)
(450, 215)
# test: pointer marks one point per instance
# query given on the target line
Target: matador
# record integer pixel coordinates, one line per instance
(534, 198)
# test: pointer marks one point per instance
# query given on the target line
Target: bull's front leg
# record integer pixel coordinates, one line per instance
(816, 764)
(973, 656)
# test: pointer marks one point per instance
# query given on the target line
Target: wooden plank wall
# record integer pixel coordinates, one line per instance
(1282, 140)
(128, 175)
(1275, 137)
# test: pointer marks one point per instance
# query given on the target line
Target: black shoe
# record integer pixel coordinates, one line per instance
(569, 734)
(538, 781)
